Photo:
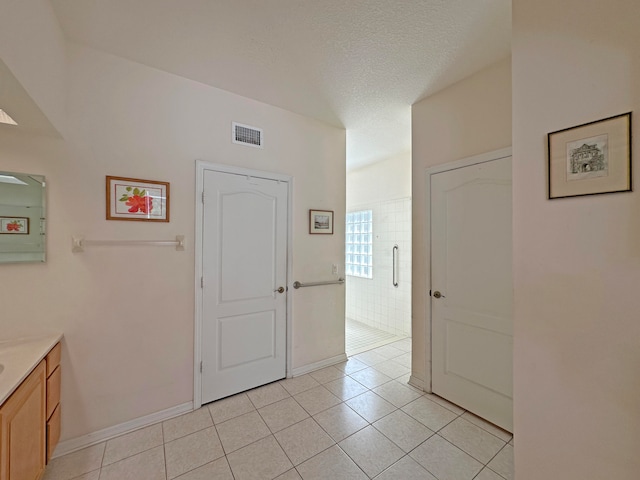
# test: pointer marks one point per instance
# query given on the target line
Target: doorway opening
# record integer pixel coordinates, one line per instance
(378, 255)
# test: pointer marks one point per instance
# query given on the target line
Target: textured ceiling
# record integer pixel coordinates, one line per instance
(359, 64)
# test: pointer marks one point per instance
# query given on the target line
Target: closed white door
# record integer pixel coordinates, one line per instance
(471, 279)
(244, 283)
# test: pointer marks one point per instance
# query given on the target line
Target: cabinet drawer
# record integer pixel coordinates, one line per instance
(53, 391)
(53, 432)
(22, 429)
(53, 359)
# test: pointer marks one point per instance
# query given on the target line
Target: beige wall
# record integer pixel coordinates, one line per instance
(385, 180)
(576, 260)
(127, 313)
(32, 46)
(468, 118)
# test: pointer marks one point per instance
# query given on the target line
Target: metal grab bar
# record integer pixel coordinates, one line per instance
(297, 284)
(393, 253)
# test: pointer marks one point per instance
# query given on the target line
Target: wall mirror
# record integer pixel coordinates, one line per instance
(22, 217)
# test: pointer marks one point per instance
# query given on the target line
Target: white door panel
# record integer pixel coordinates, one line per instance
(469, 349)
(247, 246)
(244, 263)
(247, 338)
(472, 327)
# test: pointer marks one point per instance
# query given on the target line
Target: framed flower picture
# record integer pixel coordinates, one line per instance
(136, 199)
(14, 225)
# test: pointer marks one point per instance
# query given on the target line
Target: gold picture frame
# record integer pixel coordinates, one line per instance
(135, 199)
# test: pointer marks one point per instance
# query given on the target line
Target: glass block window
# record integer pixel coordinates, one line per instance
(359, 247)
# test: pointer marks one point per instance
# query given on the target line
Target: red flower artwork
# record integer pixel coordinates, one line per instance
(14, 226)
(137, 200)
(138, 203)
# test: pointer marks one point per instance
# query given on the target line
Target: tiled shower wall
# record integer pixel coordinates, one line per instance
(376, 301)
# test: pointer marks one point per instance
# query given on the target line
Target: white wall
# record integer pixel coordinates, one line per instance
(468, 118)
(32, 45)
(386, 180)
(576, 260)
(127, 313)
(384, 188)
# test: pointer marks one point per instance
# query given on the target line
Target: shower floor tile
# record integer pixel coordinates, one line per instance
(361, 337)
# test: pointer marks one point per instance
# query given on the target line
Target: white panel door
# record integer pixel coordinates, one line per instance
(244, 265)
(471, 279)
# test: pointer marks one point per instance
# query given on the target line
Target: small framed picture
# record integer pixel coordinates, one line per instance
(136, 199)
(321, 222)
(590, 159)
(14, 225)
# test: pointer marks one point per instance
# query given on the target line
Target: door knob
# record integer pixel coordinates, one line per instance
(280, 290)
(437, 294)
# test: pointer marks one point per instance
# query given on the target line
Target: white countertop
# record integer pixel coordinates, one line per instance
(19, 357)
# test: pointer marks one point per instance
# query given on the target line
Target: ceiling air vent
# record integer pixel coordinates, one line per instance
(246, 135)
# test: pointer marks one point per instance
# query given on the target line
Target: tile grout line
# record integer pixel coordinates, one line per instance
(316, 454)
(320, 426)
(271, 432)
(492, 458)
(484, 429)
(458, 412)
(164, 452)
(371, 424)
(335, 442)
(104, 452)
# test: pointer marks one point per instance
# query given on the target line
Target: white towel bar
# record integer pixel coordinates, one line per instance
(79, 243)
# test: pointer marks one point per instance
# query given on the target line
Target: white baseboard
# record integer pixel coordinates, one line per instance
(416, 382)
(78, 443)
(318, 365)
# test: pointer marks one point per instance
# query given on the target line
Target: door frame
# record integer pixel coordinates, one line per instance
(445, 167)
(201, 167)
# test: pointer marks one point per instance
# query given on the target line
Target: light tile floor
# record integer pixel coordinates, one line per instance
(355, 420)
(360, 337)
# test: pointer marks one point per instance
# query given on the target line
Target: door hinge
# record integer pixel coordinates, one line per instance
(201, 282)
(202, 197)
(429, 292)
(200, 367)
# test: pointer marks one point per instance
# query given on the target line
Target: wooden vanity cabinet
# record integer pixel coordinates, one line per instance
(53, 399)
(30, 422)
(22, 429)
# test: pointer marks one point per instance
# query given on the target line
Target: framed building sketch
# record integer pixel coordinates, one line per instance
(590, 159)
(321, 221)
